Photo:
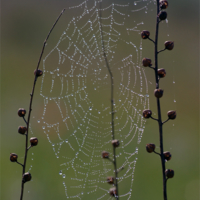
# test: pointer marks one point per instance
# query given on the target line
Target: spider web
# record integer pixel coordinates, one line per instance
(76, 90)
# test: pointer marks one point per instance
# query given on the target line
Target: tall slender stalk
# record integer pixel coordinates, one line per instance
(115, 192)
(21, 112)
(159, 73)
(158, 103)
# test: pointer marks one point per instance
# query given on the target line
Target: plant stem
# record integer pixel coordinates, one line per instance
(112, 109)
(158, 105)
(30, 106)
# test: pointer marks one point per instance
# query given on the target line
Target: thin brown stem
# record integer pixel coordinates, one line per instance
(151, 40)
(156, 153)
(158, 105)
(19, 163)
(162, 50)
(154, 118)
(112, 108)
(30, 106)
(165, 121)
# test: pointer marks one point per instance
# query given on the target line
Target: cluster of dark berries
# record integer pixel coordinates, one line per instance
(23, 130)
(111, 179)
(158, 93)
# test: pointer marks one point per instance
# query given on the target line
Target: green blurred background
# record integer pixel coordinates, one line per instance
(24, 26)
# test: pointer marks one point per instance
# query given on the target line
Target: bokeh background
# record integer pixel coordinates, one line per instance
(24, 26)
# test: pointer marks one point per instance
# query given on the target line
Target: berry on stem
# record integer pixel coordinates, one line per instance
(33, 141)
(150, 147)
(21, 112)
(13, 157)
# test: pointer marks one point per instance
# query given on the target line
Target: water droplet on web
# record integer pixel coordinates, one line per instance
(38, 121)
(174, 101)
(53, 144)
(43, 127)
(99, 112)
(173, 82)
(120, 100)
(63, 175)
(140, 48)
(66, 140)
(135, 3)
(60, 172)
(90, 108)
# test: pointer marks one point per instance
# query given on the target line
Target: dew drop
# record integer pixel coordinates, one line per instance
(60, 172)
(90, 108)
(66, 140)
(120, 100)
(43, 127)
(99, 112)
(135, 3)
(38, 121)
(174, 101)
(53, 144)
(63, 175)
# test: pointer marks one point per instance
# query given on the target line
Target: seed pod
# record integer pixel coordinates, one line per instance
(161, 73)
(146, 62)
(162, 15)
(115, 143)
(21, 112)
(13, 157)
(145, 34)
(163, 4)
(147, 113)
(22, 130)
(26, 177)
(150, 147)
(110, 179)
(169, 45)
(33, 141)
(113, 191)
(167, 155)
(169, 173)
(158, 93)
(105, 154)
(171, 114)
(38, 72)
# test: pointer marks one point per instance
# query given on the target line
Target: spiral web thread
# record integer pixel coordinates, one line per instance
(75, 89)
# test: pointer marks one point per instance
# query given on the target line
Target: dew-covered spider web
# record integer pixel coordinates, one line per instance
(76, 91)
